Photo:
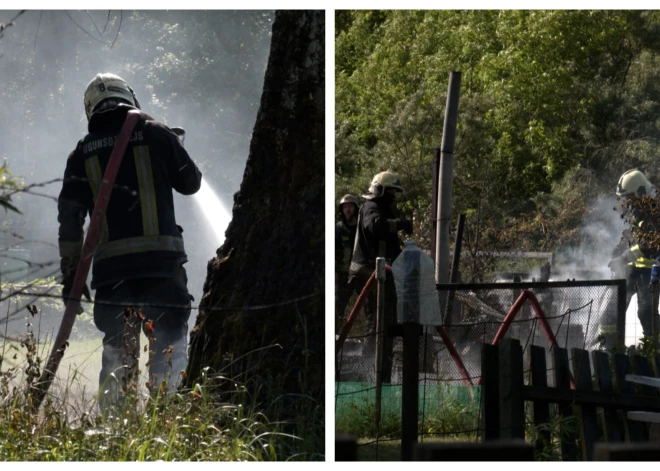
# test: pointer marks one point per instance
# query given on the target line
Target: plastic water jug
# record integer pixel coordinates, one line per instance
(414, 277)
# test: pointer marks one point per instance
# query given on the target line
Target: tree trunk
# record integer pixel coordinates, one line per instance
(261, 318)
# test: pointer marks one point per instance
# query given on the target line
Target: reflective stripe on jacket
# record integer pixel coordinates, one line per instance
(139, 236)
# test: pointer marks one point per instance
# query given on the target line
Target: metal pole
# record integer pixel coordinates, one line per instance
(443, 215)
(410, 390)
(654, 297)
(655, 272)
(454, 267)
(434, 200)
(380, 327)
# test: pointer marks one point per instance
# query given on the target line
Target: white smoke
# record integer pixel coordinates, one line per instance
(600, 232)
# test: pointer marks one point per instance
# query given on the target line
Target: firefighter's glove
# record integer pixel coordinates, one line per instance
(67, 286)
(405, 225)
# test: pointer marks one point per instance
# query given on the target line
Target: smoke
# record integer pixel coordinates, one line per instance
(199, 70)
(600, 232)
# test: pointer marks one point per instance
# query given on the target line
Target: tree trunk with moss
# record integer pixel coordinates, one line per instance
(261, 318)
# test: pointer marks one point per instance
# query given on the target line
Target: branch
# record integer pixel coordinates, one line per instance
(107, 21)
(121, 15)
(84, 30)
(37, 33)
(11, 22)
(93, 22)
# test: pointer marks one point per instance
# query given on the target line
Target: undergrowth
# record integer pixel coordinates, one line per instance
(448, 415)
(150, 423)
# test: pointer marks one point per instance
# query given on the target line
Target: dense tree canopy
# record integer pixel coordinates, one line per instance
(202, 70)
(184, 66)
(554, 106)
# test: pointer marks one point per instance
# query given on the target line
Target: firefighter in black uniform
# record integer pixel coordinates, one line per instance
(345, 231)
(634, 257)
(377, 236)
(140, 256)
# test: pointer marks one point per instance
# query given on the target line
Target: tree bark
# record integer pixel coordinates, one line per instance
(261, 318)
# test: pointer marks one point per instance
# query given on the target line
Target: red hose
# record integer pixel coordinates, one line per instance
(88, 249)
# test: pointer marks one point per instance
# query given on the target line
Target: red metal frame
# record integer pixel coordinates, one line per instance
(441, 330)
(526, 295)
(339, 344)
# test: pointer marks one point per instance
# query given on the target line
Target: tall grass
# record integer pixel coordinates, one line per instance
(151, 423)
(447, 411)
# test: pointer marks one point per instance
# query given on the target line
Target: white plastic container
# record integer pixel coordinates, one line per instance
(414, 277)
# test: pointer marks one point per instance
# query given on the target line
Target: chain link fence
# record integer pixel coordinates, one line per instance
(579, 314)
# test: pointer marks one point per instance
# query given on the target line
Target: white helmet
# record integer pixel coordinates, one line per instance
(105, 86)
(633, 183)
(385, 180)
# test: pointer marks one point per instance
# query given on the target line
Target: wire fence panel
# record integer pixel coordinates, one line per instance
(582, 314)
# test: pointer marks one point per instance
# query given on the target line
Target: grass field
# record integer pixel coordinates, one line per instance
(151, 424)
(77, 377)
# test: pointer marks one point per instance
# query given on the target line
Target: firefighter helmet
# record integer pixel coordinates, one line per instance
(105, 86)
(633, 183)
(385, 180)
(349, 199)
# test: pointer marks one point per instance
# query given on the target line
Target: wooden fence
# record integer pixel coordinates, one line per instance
(594, 411)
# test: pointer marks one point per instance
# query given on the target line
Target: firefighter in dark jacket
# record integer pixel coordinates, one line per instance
(140, 255)
(377, 236)
(634, 257)
(345, 231)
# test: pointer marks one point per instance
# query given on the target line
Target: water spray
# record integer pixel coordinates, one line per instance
(214, 211)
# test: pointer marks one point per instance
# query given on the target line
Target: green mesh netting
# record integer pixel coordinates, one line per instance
(355, 402)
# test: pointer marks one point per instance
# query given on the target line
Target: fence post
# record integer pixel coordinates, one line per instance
(567, 430)
(345, 447)
(613, 430)
(637, 431)
(410, 390)
(588, 423)
(490, 394)
(380, 315)
(540, 409)
(621, 312)
(512, 406)
(654, 287)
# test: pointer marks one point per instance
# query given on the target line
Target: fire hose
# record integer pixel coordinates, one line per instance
(41, 387)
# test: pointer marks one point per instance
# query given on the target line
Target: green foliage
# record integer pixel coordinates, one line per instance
(9, 185)
(150, 424)
(446, 412)
(199, 70)
(188, 426)
(557, 429)
(547, 97)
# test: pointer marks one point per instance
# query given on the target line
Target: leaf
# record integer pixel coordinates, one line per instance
(8, 206)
